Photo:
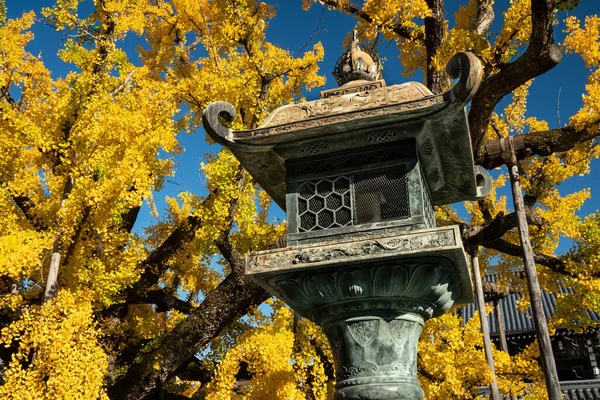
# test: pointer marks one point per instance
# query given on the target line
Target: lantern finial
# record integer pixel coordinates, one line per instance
(355, 64)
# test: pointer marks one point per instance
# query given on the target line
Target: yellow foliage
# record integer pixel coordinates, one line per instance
(586, 43)
(278, 360)
(61, 341)
(453, 357)
(81, 152)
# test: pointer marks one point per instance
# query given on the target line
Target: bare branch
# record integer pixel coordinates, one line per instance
(399, 29)
(485, 16)
(123, 85)
(315, 33)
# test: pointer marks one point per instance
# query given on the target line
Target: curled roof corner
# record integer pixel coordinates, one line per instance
(465, 67)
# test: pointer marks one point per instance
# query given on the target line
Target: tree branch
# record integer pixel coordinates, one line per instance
(491, 291)
(78, 230)
(5, 94)
(553, 263)
(156, 264)
(426, 374)
(164, 301)
(496, 228)
(541, 55)
(544, 143)
(399, 29)
(123, 85)
(233, 257)
(25, 204)
(500, 48)
(230, 299)
(129, 218)
(485, 16)
(194, 370)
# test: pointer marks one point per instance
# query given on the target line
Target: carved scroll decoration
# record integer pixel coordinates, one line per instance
(366, 247)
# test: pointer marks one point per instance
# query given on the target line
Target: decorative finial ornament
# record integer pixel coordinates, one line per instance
(355, 65)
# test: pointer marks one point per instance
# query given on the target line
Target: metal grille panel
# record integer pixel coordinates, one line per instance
(381, 195)
(324, 203)
(345, 161)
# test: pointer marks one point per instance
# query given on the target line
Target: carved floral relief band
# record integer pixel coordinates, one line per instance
(291, 257)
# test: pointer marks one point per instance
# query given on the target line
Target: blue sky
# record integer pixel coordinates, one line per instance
(292, 27)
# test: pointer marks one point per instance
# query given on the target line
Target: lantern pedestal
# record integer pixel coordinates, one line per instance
(376, 357)
(371, 296)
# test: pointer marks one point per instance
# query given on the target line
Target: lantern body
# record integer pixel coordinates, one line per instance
(378, 189)
(358, 173)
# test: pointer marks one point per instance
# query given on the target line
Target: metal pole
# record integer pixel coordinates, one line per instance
(539, 318)
(495, 394)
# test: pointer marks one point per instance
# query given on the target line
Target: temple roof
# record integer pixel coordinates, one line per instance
(516, 321)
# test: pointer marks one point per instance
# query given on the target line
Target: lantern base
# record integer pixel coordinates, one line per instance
(371, 296)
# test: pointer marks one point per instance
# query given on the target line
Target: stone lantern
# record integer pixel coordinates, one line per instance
(358, 172)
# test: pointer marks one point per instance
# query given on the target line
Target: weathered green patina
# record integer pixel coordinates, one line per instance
(358, 173)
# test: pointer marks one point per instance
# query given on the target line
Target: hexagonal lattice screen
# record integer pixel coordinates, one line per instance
(324, 203)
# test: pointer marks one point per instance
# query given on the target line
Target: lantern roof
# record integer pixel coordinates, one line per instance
(363, 113)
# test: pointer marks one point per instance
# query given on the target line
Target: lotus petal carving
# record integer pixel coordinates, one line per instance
(355, 283)
(321, 288)
(431, 282)
(390, 281)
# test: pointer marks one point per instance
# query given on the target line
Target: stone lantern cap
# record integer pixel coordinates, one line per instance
(362, 113)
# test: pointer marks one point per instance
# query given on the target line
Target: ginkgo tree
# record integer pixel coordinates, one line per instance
(90, 309)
